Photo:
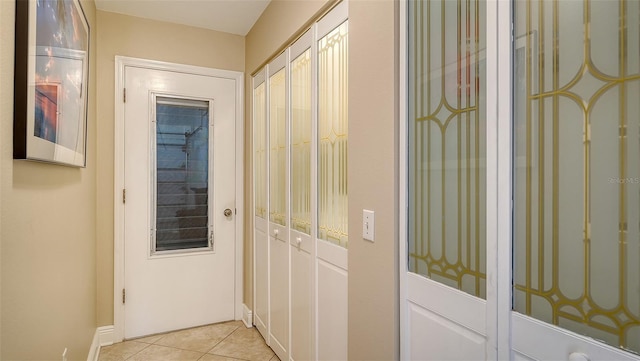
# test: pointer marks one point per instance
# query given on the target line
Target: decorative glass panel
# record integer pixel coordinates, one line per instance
(577, 166)
(447, 152)
(277, 145)
(182, 174)
(260, 149)
(301, 143)
(332, 125)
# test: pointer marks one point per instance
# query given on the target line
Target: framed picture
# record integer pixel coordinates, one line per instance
(50, 84)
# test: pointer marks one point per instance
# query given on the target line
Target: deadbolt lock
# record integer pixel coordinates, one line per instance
(227, 212)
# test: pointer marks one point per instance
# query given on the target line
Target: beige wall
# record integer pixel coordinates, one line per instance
(279, 21)
(141, 38)
(47, 233)
(373, 137)
(373, 181)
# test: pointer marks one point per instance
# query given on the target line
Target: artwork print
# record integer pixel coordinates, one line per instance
(51, 81)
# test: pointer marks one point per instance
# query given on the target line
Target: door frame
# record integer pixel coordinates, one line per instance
(121, 62)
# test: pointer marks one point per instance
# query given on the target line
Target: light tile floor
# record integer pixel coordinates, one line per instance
(228, 341)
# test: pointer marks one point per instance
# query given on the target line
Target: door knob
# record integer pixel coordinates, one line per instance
(227, 212)
(578, 356)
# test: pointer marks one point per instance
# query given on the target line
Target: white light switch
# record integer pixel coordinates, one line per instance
(368, 225)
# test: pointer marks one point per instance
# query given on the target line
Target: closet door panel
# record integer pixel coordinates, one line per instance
(260, 195)
(278, 207)
(301, 245)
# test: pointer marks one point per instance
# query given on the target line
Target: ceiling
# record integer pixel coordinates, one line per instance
(229, 16)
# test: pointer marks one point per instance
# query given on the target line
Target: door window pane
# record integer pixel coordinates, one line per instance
(182, 174)
(447, 178)
(278, 155)
(332, 126)
(260, 148)
(577, 166)
(301, 143)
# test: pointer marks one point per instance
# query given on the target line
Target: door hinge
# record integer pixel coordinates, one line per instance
(124, 95)
(124, 196)
(124, 296)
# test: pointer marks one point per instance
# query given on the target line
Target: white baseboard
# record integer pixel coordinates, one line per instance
(106, 334)
(94, 351)
(102, 337)
(247, 316)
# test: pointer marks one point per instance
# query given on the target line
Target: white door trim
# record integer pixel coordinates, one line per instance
(118, 228)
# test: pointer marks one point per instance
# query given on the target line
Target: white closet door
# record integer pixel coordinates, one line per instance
(332, 237)
(278, 207)
(302, 202)
(576, 173)
(444, 275)
(260, 181)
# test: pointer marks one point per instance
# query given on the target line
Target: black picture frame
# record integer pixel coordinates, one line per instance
(51, 82)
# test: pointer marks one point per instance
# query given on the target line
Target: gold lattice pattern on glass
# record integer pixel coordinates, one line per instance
(260, 148)
(446, 141)
(301, 143)
(577, 166)
(332, 126)
(277, 149)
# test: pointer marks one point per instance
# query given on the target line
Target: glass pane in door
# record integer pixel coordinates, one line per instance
(182, 174)
(577, 166)
(260, 149)
(333, 120)
(447, 152)
(277, 145)
(301, 143)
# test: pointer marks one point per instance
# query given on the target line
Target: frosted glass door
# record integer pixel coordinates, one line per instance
(302, 247)
(333, 134)
(577, 168)
(331, 261)
(260, 191)
(301, 143)
(277, 149)
(447, 145)
(260, 151)
(278, 213)
(445, 275)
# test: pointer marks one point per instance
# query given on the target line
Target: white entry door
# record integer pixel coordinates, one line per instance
(179, 212)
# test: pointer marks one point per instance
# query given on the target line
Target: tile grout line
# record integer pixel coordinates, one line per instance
(146, 346)
(236, 358)
(209, 352)
(219, 342)
(185, 349)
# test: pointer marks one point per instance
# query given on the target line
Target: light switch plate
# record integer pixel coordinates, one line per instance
(368, 225)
